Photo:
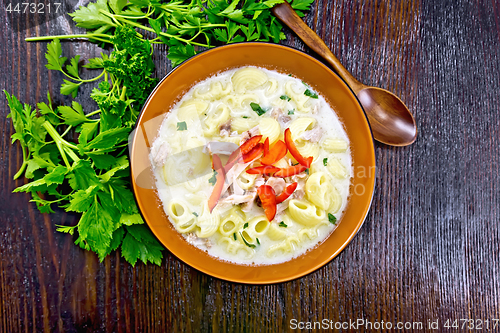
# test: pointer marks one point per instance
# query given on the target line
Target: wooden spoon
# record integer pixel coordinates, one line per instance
(391, 121)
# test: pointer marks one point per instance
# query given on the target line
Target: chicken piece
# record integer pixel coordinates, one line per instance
(313, 135)
(280, 116)
(236, 199)
(300, 179)
(208, 243)
(259, 181)
(195, 240)
(161, 155)
(247, 206)
(278, 184)
(225, 129)
(298, 194)
(248, 134)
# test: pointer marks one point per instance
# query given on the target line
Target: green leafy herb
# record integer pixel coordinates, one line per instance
(291, 112)
(325, 161)
(234, 236)
(307, 171)
(332, 218)
(90, 175)
(282, 224)
(310, 94)
(258, 242)
(245, 225)
(285, 98)
(213, 179)
(182, 126)
(245, 117)
(247, 243)
(256, 107)
(195, 214)
(180, 25)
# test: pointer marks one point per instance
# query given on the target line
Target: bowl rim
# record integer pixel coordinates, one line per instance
(292, 277)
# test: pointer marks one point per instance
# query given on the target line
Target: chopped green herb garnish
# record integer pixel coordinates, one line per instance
(307, 170)
(195, 214)
(258, 242)
(311, 94)
(246, 243)
(305, 84)
(256, 107)
(285, 98)
(245, 225)
(234, 236)
(245, 117)
(182, 126)
(332, 219)
(213, 179)
(292, 111)
(325, 161)
(282, 224)
(289, 74)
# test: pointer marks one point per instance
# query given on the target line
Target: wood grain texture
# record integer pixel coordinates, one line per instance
(429, 248)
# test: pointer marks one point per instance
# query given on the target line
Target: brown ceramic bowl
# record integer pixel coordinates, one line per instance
(285, 60)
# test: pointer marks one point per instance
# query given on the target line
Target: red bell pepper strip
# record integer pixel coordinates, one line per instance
(290, 171)
(277, 152)
(219, 183)
(250, 144)
(295, 152)
(286, 193)
(268, 199)
(254, 153)
(266, 147)
(263, 170)
(234, 158)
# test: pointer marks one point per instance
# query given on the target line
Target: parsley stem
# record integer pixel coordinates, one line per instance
(146, 15)
(92, 113)
(71, 154)
(140, 26)
(23, 166)
(122, 95)
(66, 131)
(93, 36)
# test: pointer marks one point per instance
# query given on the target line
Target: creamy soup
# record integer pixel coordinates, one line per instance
(252, 166)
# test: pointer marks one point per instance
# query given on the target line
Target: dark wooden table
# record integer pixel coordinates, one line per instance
(428, 251)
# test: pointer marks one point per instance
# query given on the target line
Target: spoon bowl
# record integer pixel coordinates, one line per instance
(390, 120)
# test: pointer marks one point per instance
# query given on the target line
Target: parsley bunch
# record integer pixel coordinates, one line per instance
(90, 175)
(183, 25)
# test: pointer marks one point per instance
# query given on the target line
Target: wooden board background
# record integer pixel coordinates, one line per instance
(429, 249)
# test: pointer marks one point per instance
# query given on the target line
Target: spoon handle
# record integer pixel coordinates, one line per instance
(287, 15)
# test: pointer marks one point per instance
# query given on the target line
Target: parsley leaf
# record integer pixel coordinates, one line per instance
(72, 115)
(245, 225)
(213, 179)
(332, 218)
(181, 126)
(291, 112)
(245, 241)
(285, 98)
(256, 107)
(311, 94)
(325, 161)
(282, 224)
